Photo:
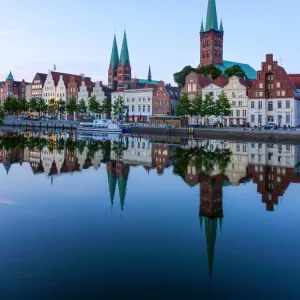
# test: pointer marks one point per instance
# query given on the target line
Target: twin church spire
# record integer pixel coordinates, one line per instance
(211, 19)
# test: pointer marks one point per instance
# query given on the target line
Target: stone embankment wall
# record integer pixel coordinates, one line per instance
(224, 134)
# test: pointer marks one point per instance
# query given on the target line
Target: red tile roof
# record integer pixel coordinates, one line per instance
(221, 81)
(295, 78)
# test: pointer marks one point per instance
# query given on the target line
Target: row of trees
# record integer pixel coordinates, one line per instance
(57, 107)
(204, 107)
(211, 70)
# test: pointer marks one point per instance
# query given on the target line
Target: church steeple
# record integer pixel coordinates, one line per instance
(124, 57)
(124, 68)
(113, 65)
(149, 74)
(221, 26)
(202, 27)
(211, 17)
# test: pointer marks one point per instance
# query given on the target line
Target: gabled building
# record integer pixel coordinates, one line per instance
(37, 85)
(211, 44)
(273, 96)
(165, 99)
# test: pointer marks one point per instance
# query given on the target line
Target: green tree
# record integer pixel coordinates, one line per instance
(235, 70)
(52, 107)
(106, 107)
(72, 107)
(211, 70)
(223, 107)
(209, 105)
(41, 106)
(24, 105)
(180, 76)
(8, 104)
(33, 105)
(197, 106)
(61, 106)
(94, 105)
(82, 108)
(119, 108)
(184, 107)
(2, 116)
(15, 105)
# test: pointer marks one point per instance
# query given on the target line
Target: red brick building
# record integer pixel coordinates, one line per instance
(12, 88)
(165, 99)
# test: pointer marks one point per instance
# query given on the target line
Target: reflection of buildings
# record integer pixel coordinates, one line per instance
(161, 157)
(9, 157)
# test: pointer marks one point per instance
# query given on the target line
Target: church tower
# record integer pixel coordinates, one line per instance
(211, 38)
(113, 65)
(124, 68)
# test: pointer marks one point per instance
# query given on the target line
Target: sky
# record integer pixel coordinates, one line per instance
(77, 35)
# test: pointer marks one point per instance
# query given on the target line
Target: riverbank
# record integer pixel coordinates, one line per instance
(222, 133)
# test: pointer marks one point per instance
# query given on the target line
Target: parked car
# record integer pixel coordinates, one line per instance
(270, 125)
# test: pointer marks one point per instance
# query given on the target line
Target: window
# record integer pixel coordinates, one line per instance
(238, 148)
(127, 99)
(278, 93)
(252, 118)
(132, 108)
(238, 113)
(283, 93)
(148, 108)
(279, 104)
(144, 108)
(270, 86)
(259, 145)
(148, 98)
(133, 99)
(252, 145)
(269, 67)
(288, 147)
(261, 85)
(256, 94)
(240, 103)
(278, 85)
(194, 87)
(252, 104)
(244, 148)
(288, 104)
(270, 106)
(288, 119)
(244, 113)
(259, 104)
(233, 94)
(189, 87)
(233, 103)
(261, 94)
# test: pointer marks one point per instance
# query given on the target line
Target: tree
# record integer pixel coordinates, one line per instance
(33, 105)
(61, 106)
(223, 107)
(197, 106)
(94, 105)
(52, 107)
(180, 76)
(119, 107)
(209, 70)
(184, 107)
(106, 107)
(82, 108)
(72, 107)
(24, 105)
(209, 105)
(235, 70)
(8, 104)
(15, 105)
(2, 116)
(41, 106)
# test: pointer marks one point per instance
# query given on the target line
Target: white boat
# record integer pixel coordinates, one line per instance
(98, 136)
(102, 125)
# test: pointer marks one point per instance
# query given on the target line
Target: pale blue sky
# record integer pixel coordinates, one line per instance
(77, 35)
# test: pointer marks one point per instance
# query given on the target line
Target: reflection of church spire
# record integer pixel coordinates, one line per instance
(112, 183)
(122, 183)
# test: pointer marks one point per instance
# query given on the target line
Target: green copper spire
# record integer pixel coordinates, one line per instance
(202, 27)
(112, 183)
(211, 18)
(149, 74)
(122, 184)
(221, 26)
(10, 77)
(124, 57)
(114, 59)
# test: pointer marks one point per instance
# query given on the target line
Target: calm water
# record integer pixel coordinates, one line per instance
(147, 218)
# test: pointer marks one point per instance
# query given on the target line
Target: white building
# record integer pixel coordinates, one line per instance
(83, 93)
(98, 92)
(138, 101)
(237, 93)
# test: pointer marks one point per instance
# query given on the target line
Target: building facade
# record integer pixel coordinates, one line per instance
(237, 93)
(165, 99)
(37, 85)
(138, 101)
(272, 97)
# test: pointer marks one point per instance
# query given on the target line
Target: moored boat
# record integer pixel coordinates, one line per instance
(102, 125)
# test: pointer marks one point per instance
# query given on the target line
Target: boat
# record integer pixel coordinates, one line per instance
(97, 136)
(101, 125)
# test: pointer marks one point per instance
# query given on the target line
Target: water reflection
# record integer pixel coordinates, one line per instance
(213, 164)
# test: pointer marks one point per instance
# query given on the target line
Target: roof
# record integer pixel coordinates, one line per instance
(67, 78)
(221, 81)
(124, 57)
(211, 17)
(114, 59)
(10, 77)
(144, 81)
(295, 79)
(250, 72)
(174, 92)
(42, 77)
(246, 82)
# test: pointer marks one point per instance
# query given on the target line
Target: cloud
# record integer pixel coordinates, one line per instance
(10, 32)
(7, 202)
